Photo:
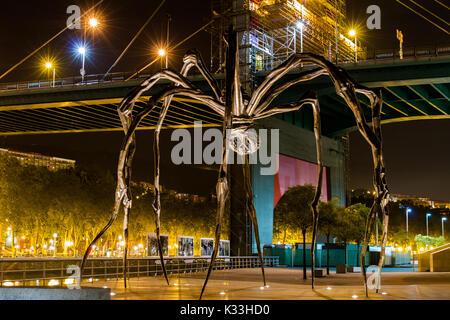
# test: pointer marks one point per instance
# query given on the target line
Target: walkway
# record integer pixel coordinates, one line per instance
(284, 284)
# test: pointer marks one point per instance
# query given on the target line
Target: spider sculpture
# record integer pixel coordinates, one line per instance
(238, 115)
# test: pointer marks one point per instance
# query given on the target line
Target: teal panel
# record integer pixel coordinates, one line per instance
(263, 195)
(337, 256)
(401, 258)
(285, 254)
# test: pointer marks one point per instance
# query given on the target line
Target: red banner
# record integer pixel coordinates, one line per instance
(293, 172)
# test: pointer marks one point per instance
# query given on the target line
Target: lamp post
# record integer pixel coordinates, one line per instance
(428, 215)
(162, 53)
(169, 18)
(300, 25)
(54, 244)
(442, 221)
(82, 52)
(376, 226)
(89, 23)
(408, 210)
(352, 33)
(49, 66)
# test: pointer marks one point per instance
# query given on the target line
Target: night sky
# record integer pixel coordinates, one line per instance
(416, 153)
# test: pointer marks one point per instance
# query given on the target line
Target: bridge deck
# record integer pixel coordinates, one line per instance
(412, 89)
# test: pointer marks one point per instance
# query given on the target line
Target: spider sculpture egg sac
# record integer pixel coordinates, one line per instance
(243, 141)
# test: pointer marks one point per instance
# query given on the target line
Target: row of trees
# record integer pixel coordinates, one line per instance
(293, 217)
(293, 221)
(416, 218)
(36, 203)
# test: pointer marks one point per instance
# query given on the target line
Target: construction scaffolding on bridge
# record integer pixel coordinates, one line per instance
(270, 31)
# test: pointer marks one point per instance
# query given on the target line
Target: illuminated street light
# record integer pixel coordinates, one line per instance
(68, 243)
(82, 51)
(55, 235)
(93, 22)
(408, 210)
(442, 221)
(161, 52)
(352, 33)
(300, 25)
(428, 215)
(48, 66)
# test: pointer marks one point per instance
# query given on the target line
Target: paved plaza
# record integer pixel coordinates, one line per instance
(283, 284)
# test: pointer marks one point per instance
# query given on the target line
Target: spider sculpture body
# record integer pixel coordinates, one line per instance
(238, 116)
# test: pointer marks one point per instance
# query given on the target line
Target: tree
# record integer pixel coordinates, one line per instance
(343, 229)
(401, 238)
(427, 241)
(327, 222)
(356, 215)
(294, 208)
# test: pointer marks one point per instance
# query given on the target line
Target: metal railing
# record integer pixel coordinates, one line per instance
(367, 56)
(75, 81)
(53, 271)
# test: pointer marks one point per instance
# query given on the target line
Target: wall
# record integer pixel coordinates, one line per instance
(298, 143)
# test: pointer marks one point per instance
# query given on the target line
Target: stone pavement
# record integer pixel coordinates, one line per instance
(283, 284)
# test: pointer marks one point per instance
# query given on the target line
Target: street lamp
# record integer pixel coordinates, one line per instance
(162, 53)
(82, 51)
(54, 244)
(169, 19)
(300, 25)
(352, 33)
(408, 210)
(428, 215)
(48, 66)
(442, 220)
(93, 22)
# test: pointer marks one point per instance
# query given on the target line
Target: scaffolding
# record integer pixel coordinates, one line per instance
(270, 31)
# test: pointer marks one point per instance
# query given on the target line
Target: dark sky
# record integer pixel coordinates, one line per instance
(417, 153)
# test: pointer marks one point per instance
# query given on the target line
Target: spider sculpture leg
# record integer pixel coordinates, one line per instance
(127, 150)
(222, 191)
(315, 202)
(122, 192)
(191, 59)
(311, 99)
(347, 88)
(222, 188)
(166, 96)
(252, 212)
(383, 192)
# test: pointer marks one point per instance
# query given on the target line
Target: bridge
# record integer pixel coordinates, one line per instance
(413, 89)
(416, 88)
